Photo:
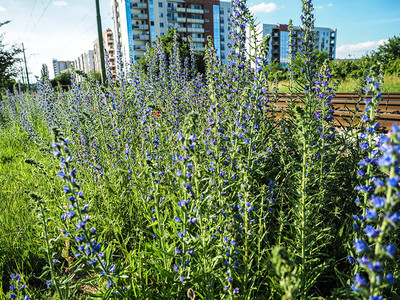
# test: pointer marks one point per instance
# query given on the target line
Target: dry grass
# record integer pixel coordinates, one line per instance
(390, 84)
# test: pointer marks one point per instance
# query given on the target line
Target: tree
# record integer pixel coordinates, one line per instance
(45, 72)
(167, 42)
(63, 80)
(8, 60)
(390, 51)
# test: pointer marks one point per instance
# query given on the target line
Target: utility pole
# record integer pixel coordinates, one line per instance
(26, 67)
(101, 44)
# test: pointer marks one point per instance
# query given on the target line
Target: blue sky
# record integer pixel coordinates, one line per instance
(64, 29)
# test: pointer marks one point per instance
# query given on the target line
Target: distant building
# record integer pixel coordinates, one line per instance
(109, 49)
(85, 62)
(278, 51)
(59, 66)
(138, 22)
(224, 12)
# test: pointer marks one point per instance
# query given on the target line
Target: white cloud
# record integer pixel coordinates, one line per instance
(263, 8)
(319, 7)
(330, 4)
(357, 50)
(60, 3)
(2, 8)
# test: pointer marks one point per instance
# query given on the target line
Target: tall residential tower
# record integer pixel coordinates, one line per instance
(325, 39)
(138, 22)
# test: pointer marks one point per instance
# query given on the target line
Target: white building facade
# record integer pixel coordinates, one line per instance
(325, 39)
(138, 22)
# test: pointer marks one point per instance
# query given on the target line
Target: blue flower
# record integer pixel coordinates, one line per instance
(377, 267)
(360, 245)
(371, 214)
(395, 217)
(182, 278)
(385, 160)
(371, 232)
(394, 181)
(389, 277)
(359, 280)
(391, 249)
(377, 201)
(363, 260)
(176, 268)
(178, 220)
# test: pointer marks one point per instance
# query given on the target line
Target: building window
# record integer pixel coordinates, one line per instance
(161, 25)
(159, 4)
(161, 15)
(206, 11)
(207, 30)
(206, 20)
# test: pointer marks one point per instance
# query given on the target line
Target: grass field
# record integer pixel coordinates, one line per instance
(390, 84)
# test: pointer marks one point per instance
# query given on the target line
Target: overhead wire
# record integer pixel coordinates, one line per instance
(44, 11)
(30, 17)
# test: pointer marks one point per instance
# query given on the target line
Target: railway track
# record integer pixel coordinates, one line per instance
(349, 108)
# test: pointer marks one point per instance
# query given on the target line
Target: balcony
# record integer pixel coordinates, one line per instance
(140, 47)
(180, 9)
(141, 26)
(171, 9)
(194, 11)
(138, 5)
(199, 49)
(141, 37)
(195, 30)
(198, 40)
(139, 16)
(181, 20)
(194, 21)
(181, 29)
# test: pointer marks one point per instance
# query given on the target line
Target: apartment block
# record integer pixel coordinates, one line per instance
(85, 62)
(109, 49)
(59, 66)
(279, 44)
(224, 13)
(138, 22)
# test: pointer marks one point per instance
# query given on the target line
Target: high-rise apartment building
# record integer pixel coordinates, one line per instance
(59, 66)
(109, 49)
(325, 39)
(138, 22)
(224, 12)
(85, 62)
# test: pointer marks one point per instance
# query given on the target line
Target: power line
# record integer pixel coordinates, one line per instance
(44, 11)
(30, 16)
